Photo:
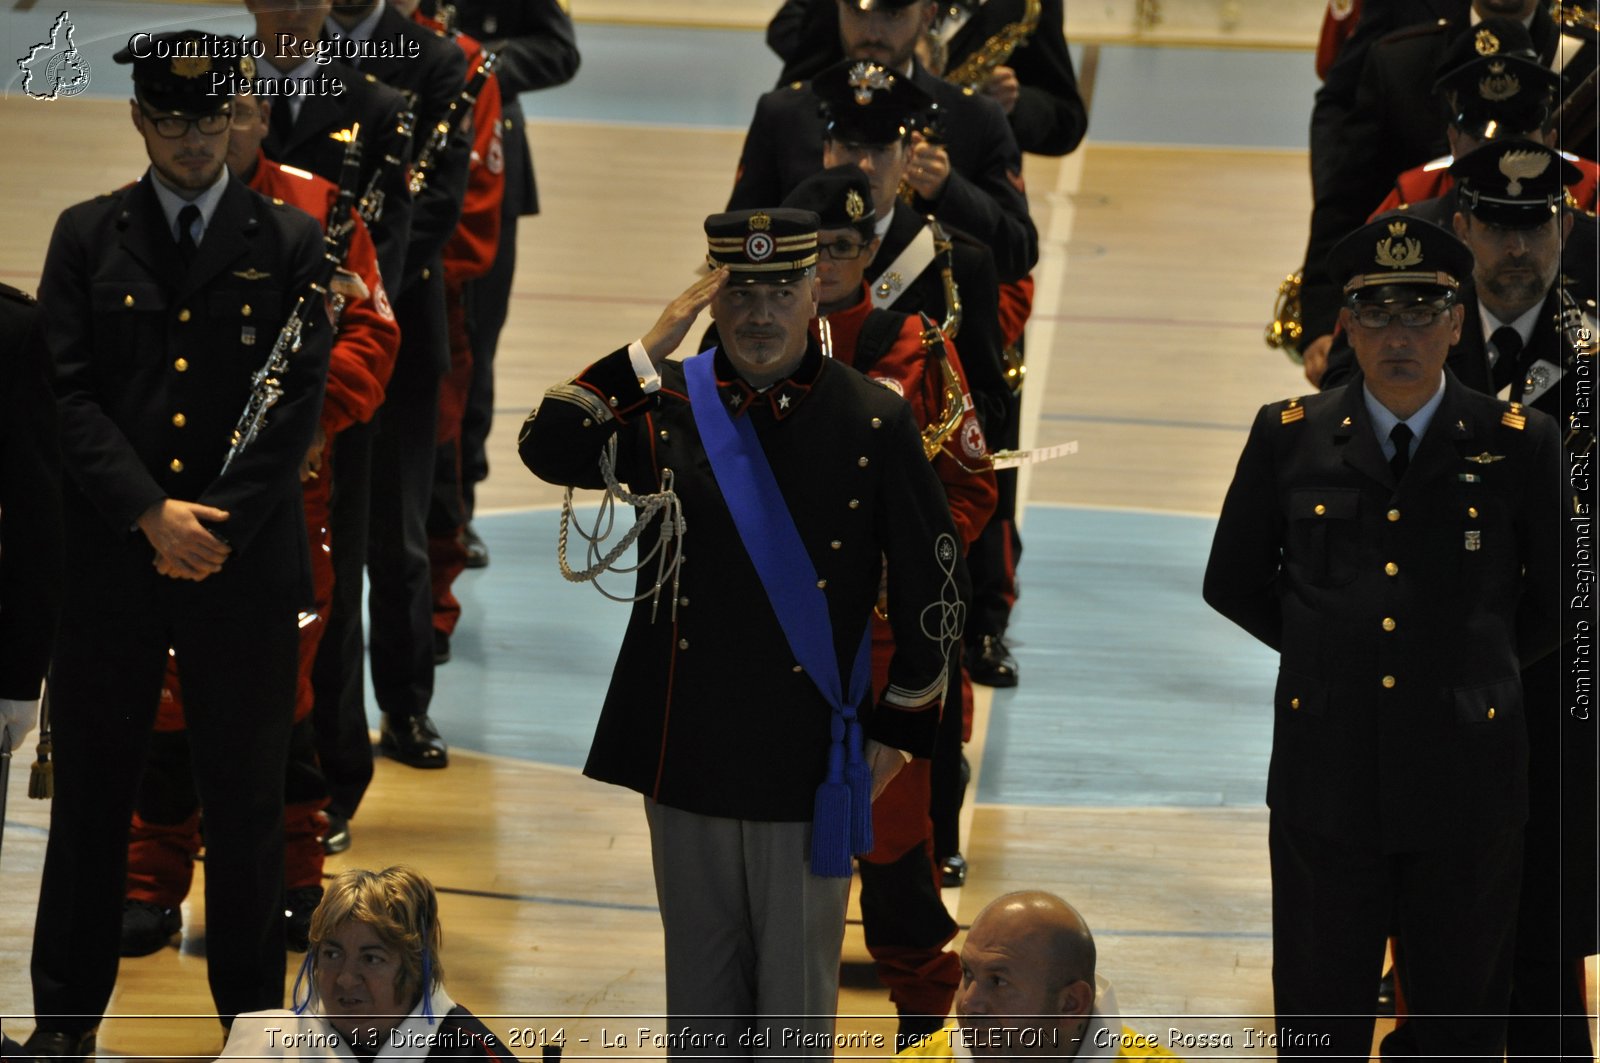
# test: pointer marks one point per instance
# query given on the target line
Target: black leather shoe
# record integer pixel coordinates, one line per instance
(413, 741)
(953, 872)
(990, 663)
(298, 904)
(147, 927)
(53, 1044)
(477, 550)
(336, 838)
(441, 647)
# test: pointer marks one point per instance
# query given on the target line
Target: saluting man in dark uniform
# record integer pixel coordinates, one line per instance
(162, 299)
(741, 705)
(1395, 542)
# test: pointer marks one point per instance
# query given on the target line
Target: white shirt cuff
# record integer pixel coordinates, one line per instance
(649, 379)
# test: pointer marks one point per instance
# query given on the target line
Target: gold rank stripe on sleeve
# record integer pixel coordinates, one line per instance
(1514, 417)
(1292, 412)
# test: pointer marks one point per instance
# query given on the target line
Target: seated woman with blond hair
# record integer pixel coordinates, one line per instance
(373, 982)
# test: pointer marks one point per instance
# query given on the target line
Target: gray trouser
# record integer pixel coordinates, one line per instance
(749, 932)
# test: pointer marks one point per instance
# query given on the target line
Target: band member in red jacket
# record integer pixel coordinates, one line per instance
(469, 255)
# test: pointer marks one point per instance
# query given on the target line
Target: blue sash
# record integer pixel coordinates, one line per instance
(841, 824)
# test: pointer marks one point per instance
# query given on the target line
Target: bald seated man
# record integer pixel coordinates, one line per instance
(1029, 989)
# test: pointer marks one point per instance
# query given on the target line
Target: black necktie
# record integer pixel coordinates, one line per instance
(1400, 435)
(282, 121)
(1508, 342)
(186, 219)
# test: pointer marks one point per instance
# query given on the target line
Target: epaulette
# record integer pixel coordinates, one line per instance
(1292, 412)
(1514, 417)
(1421, 29)
(294, 171)
(16, 295)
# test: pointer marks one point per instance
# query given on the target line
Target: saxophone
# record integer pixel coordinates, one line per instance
(975, 69)
(1286, 328)
(266, 386)
(954, 399)
(439, 139)
(944, 247)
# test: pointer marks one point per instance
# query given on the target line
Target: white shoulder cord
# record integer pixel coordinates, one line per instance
(649, 507)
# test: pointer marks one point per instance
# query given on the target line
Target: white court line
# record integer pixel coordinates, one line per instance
(1049, 286)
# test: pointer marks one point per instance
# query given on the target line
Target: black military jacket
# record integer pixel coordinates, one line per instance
(1049, 117)
(984, 196)
(1395, 122)
(538, 49)
(708, 711)
(1402, 614)
(153, 366)
(309, 144)
(30, 500)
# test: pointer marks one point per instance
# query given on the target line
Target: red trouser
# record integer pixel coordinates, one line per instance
(165, 835)
(903, 918)
(447, 513)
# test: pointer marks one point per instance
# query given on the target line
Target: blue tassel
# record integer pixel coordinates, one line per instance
(303, 976)
(830, 816)
(830, 831)
(427, 985)
(858, 776)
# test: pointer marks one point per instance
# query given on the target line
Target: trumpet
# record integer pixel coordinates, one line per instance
(1285, 330)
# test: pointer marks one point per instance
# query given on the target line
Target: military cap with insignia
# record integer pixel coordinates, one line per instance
(868, 104)
(1518, 184)
(1399, 258)
(1493, 82)
(840, 197)
(762, 246)
(176, 72)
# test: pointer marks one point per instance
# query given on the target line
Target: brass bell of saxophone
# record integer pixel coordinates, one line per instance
(952, 396)
(1286, 328)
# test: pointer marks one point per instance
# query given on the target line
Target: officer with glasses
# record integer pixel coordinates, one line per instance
(1392, 540)
(161, 300)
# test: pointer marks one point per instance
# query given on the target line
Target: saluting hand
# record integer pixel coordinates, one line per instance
(185, 549)
(673, 324)
(1002, 87)
(928, 167)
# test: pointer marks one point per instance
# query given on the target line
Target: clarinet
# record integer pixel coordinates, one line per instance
(439, 139)
(266, 386)
(371, 205)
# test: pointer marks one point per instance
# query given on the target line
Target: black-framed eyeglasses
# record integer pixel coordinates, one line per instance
(171, 127)
(843, 250)
(1376, 317)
